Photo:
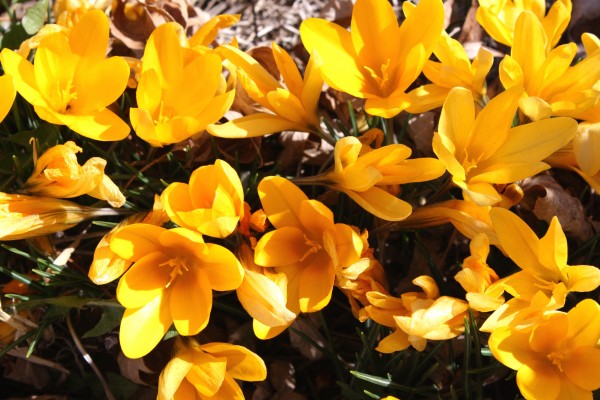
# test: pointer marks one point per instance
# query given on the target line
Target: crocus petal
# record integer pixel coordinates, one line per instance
(582, 278)
(397, 341)
(535, 141)
(149, 322)
(288, 70)
(89, 38)
(538, 380)
(535, 108)
(510, 347)
(102, 125)
(457, 118)
(93, 92)
(547, 332)
(208, 373)
(517, 239)
(426, 97)
(584, 323)
(190, 302)
(7, 88)
(241, 363)
(315, 217)
(582, 367)
(381, 203)
(283, 246)
(586, 145)
(387, 107)
(223, 269)
(529, 46)
(334, 47)
(23, 76)
(173, 374)
(254, 125)
(163, 53)
(144, 281)
(135, 241)
(281, 200)
(316, 282)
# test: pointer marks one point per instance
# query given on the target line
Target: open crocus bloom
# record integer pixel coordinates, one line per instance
(377, 60)
(58, 174)
(180, 91)
(293, 107)
(72, 82)
(482, 151)
(454, 69)
(171, 281)
(552, 87)
(417, 317)
(307, 246)
(498, 18)
(558, 357)
(212, 203)
(209, 371)
(362, 173)
(545, 278)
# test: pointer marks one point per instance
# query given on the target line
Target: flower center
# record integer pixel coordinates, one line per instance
(165, 113)
(556, 358)
(381, 78)
(178, 268)
(64, 96)
(313, 247)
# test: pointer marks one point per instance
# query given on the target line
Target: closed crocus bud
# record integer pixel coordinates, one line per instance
(58, 174)
(22, 217)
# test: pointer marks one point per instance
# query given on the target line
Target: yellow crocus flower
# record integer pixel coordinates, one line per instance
(552, 86)
(478, 279)
(209, 371)
(454, 69)
(558, 357)
(180, 90)
(171, 281)
(58, 174)
(7, 88)
(417, 316)
(498, 18)
(23, 217)
(545, 278)
(362, 173)
(293, 107)
(212, 203)
(72, 82)
(377, 60)
(484, 150)
(307, 246)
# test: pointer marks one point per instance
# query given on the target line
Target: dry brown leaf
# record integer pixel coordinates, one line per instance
(546, 199)
(132, 368)
(133, 21)
(24, 371)
(338, 11)
(420, 130)
(307, 325)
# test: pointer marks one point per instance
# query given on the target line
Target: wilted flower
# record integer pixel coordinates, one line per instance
(377, 60)
(58, 174)
(212, 203)
(209, 371)
(558, 357)
(72, 82)
(552, 87)
(171, 281)
(307, 246)
(482, 151)
(22, 217)
(291, 108)
(180, 90)
(361, 173)
(498, 18)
